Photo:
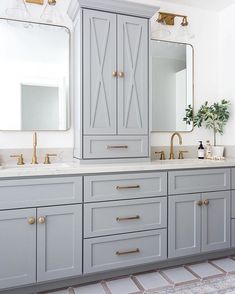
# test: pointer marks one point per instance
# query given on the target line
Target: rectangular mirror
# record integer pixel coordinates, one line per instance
(34, 75)
(171, 85)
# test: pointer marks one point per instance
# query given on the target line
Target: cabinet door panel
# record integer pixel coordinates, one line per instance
(216, 221)
(184, 233)
(99, 62)
(17, 248)
(133, 86)
(59, 239)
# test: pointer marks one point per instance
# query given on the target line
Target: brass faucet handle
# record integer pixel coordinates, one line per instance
(20, 158)
(47, 158)
(181, 154)
(162, 155)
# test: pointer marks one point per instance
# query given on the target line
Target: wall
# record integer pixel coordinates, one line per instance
(227, 68)
(205, 26)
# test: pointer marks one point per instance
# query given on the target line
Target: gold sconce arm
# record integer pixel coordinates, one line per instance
(169, 18)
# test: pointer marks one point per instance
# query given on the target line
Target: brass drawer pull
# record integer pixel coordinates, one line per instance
(117, 147)
(119, 219)
(31, 220)
(128, 187)
(42, 220)
(119, 253)
(206, 202)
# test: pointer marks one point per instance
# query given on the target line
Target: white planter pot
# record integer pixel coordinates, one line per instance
(217, 151)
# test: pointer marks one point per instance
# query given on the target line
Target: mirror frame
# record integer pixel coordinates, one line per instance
(150, 83)
(69, 98)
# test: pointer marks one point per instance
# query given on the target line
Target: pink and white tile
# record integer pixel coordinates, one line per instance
(152, 281)
(124, 286)
(204, 270)
(179, 275)
(90, 289)
(226, 264)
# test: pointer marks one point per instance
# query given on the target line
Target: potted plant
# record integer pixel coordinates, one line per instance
(214, 116)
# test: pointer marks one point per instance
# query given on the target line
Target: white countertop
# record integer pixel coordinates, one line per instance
(74, 168)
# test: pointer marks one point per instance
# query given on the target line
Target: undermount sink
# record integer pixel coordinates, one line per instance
(36, 167)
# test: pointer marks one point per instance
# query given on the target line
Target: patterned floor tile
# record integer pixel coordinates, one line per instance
(226, 264)
(122, 286)
(90, 289)
(152, 281)
(179, 275)
(205, 270)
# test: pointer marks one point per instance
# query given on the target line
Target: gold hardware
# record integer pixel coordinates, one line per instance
(169, 18)
(31, 220)
(206, 202)
(42, 220)
(121, 74)
(119, 219)
(199, 203)
(127, 252)
(162, 155)
(47, 158)
(172, 156)
(52, 2)
(114, 74)
(181, 154)
(20, 160)
(128, 187)
(117, 147)
(34, 158)
(40, 2)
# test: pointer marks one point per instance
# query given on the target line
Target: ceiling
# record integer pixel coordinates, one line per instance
(214, 5)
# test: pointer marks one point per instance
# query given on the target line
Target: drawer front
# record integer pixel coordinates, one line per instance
(106, 253)
(115, 147)
(124, 186)
(118, 217)
(202, 180)
(40, 192)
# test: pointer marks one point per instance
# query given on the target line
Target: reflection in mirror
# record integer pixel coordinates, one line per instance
(171, 85)
(34, 75)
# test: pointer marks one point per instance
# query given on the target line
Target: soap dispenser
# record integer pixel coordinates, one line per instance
(201, 151)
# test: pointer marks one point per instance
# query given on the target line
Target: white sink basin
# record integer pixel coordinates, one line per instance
(36, 167)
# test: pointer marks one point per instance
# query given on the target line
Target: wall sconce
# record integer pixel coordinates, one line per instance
(51, 14)
(169, 19)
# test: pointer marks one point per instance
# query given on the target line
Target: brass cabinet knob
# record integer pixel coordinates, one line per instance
(20, 159)
(206, 202)
(42, 220)
(114, 74)
(31, 220)
(121, 74)
(199, 203)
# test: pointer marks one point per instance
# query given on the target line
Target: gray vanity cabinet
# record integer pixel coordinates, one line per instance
(184, 225)
(17, 248)
(59, 242)
(198, 223)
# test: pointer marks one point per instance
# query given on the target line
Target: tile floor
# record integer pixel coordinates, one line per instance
(205, 277)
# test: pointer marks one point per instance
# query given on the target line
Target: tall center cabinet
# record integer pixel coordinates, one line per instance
(111, 79)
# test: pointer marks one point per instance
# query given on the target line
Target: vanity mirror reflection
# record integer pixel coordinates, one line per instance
(34, 75)
(171, 85)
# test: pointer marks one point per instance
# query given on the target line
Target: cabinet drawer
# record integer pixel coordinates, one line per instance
(202, 180)
(105, 253)
(40, 192)
(118, 217)
(115, 146)
(124, 186)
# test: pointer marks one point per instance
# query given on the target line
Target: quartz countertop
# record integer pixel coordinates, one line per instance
(75, 168)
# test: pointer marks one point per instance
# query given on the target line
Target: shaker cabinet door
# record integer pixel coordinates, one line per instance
(216, 221)
(17, 247)
(132, 75)
(99, 67)
(184, 225)
(59, 242)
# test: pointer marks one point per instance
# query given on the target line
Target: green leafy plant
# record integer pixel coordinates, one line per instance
(213, 116)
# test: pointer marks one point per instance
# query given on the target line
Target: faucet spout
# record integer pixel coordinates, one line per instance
(34, 158)
(172, 155)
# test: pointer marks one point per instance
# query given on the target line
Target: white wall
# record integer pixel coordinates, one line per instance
(227, 68)
(204, 24)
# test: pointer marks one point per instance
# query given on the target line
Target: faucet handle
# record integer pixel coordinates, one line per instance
(162, 155)
(181, 154)
(20, 158)
(47, 158)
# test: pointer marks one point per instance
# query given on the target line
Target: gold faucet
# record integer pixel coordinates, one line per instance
(34, 158)
(172, 156)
